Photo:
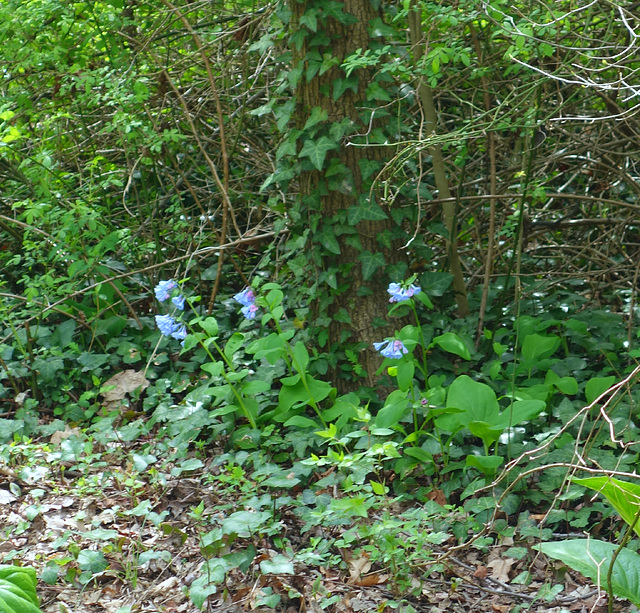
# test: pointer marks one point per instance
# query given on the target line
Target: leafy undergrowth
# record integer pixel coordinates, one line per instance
(138, 526)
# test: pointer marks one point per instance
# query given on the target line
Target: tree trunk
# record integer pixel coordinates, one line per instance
(341, 207)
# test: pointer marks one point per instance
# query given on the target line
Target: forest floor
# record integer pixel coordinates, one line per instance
(111, 535)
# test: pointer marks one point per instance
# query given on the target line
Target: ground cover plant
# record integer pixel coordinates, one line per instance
(316, 305)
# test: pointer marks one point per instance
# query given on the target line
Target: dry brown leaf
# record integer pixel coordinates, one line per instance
(372, 579)
(126, 382)
(358, 567)
(438, 497)
(500, 568)
(481, 572)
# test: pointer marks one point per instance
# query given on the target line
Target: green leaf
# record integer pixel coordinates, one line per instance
(318, 115)
(328, 240)
(92, 361)
(592, 558)
(451, 342)
(371, 262)
(233, 344)
(48, 368)
(537, 347)
(301, 357)
(18, 590)
(369, 211)
(597, 386)
(405, 371)
(342, 85)
(245, 523)
(394, 409)
(485, 464)
(277, 565)
(435, 283)
(316, 150)
(376, 92)
(210, 326)
(419, 454)
(92, 561)
(623, 496)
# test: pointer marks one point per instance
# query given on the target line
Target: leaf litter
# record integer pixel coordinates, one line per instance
(110, 533)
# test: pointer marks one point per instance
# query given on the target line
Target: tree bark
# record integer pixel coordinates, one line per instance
(357, 310)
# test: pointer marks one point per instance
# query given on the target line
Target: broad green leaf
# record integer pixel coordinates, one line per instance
(485, 464)
(592, 558)
(301, 357)
(349, 507)
(270, 348)
(419, 454)
(597, 386)
(316, 150)
(476, 401)
(245, 523)
(623, 496)
(405, 371)
(376, 92)
(302, 392)
(251, 388)
(91, 361)
(435, 283)
(451, 342)
(213, 368)
(210, 326)
(233, 344)
(278, 565)
(281, 482)
(18, 590)
(537, 347)
(394, 409)
(300, 421)
(92, 561)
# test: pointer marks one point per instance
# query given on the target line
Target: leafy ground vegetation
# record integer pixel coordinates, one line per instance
(319, 306)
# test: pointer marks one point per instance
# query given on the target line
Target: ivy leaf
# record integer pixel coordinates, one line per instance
(365, 212)
(370, 263)
(376, 92)
(328, 240)
(310, 20)
(342, 85)
(318, 114)
(316, 150)
(368, 167)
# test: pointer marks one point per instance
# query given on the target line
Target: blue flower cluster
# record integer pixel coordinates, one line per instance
(400, 294)
(248, 301)
(167, 324)
(391, 347)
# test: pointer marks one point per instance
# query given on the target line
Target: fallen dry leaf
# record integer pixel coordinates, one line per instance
(500, 568)
(358, 567)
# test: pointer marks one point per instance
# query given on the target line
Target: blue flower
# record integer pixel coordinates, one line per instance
(246, 297)
(250, 311)
(248, 301)
(166, 324)
(179, 332)
(178, 301)
(400, 294)
(164, 288)
(391, 348)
